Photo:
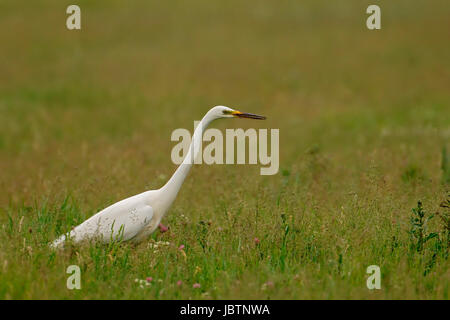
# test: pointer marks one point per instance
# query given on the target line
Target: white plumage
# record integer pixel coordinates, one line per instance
(136, 217)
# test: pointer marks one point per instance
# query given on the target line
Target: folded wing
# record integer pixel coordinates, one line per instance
(118, 222)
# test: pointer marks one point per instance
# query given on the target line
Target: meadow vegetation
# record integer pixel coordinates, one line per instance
(86, 118)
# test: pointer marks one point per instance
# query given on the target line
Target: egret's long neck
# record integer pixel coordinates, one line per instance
(171, 188)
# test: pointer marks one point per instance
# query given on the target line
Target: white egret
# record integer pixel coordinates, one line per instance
(136, 217)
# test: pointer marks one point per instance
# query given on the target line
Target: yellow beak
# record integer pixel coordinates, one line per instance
(239, 114)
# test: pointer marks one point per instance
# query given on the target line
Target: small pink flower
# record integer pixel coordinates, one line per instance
(269, 283)
(196, 285)
(256, 241)
(149, 279)
(163, 228)
(179, 283)
(181, 247)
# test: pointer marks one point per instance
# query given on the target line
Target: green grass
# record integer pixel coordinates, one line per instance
(86, 118)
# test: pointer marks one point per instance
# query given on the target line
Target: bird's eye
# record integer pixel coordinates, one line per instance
(226, 111)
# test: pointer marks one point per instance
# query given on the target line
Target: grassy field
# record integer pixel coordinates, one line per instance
(364, 118)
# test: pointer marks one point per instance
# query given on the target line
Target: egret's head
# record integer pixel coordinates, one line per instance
(225, 112)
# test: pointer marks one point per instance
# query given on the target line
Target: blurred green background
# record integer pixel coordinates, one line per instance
(89, 113)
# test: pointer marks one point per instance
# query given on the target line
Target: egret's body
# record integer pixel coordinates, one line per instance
(136, 217)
